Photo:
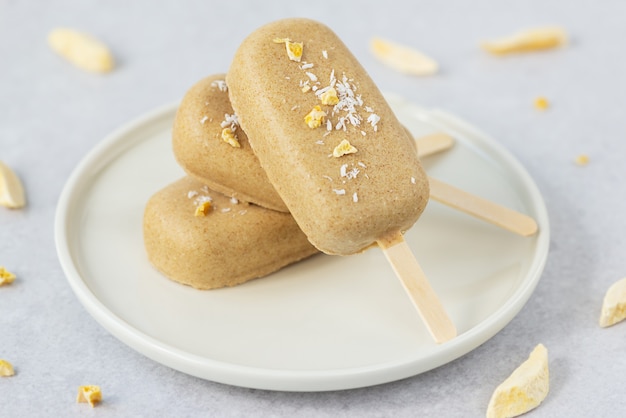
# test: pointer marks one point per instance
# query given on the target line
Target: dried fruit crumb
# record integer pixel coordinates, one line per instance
(229, 137)
(344, 148)
(614, 304)
(315, 117)
(402, 58)
(82, 50)
(527, 40)
(90, 394)
(6, 369)
(6, 277)
(203, 208)
(582, 160)
(541, 103)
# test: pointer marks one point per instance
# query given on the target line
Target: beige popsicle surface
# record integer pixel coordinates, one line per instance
(343, 204)
(203, 154)
(233, 243)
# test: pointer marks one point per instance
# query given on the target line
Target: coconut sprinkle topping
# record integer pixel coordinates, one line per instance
(220, 84)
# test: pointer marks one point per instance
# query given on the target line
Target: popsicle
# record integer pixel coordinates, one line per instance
(201, 238)
(227, 165)
(343, 204)
(333, 149)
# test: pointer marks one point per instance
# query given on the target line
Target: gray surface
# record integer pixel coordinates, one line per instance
(52, 114)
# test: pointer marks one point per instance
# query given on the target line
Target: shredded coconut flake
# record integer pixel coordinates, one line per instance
(412, 180)
(224, 210)
(230, 121)
(243, 212)
(361, 164)
(312, 76)
(355, 198)
(234, 200)
(373, 120)
(306, 65)
(319, 142)
(339, 192)
(204, 119)
(325, 54)
(329, 178)
(296, 107)
(220, 84)
(191, 194)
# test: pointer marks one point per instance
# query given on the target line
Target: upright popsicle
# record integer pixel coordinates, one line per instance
(326, 137)
(333, 149)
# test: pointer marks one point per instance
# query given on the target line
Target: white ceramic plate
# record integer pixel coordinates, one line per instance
(323, 324)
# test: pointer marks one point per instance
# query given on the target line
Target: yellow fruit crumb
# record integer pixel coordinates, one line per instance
(541, 103)
(404, 59)
(527, 40)
(81, 49)
(6, 369)
(315, 118)
(11, 189)
(6, 277)
(89, 394)
(329, 97)
(614, 304)
(582, 159)
(344, 148)
(524, 389)
(294, 49)
(229, 137)
(203, 208)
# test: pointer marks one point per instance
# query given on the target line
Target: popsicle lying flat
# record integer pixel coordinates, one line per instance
(219, 242)
(228, 164)
(333, 148)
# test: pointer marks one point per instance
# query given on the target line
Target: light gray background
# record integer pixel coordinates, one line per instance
(52, 114)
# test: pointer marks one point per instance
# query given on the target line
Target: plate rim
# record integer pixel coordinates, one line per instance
(274, 379)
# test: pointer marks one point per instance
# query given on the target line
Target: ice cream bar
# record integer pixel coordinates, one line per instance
(206, 240)
(325, 136)
(211, 147)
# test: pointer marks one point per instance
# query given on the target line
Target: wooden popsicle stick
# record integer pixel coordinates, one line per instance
(433, 144)
(417, 287)
(482, 208)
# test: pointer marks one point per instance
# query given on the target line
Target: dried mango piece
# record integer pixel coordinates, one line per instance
(294, 49)
(6, 277)
(524, 389)
(344, 148)
(11, 190)
(89, 394)
(614, 304)
(229, 137)
(315, 117)
(582, 159)
(527, 40)
(6, 369)
(203, 208)
(329, 97)
(541, 103)
(82, 50)
(402, 58)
